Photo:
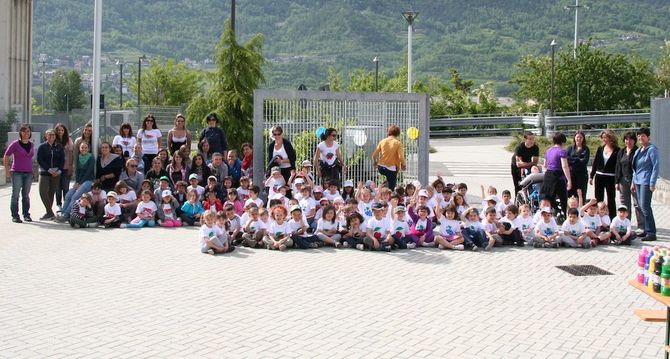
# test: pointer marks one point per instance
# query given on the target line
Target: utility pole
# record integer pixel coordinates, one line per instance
(376, 61)
(553, 73)
(232, 15)
(43, 61)
(576, 6)
(409, 16)
(118, 62)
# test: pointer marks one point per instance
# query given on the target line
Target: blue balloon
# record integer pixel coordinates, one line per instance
(320, 131)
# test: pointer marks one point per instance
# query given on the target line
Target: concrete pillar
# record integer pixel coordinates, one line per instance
(660, 128)
(16, 18)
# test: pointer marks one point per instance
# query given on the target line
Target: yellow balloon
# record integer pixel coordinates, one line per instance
(413, 133)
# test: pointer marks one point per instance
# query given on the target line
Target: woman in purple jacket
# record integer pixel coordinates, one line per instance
(23, 152)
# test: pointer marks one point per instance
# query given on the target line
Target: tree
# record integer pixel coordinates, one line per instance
(168, 84)
(66, 83)
(606, 81)
(663, 68)
(231, 94)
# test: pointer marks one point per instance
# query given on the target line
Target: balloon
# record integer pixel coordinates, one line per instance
(413, 133)
(360, 138)
(319, 132)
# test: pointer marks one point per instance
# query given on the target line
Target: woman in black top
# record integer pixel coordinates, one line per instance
(603, 170)
(281, 153)
(578, 159)
(624, 176)
(108, 167)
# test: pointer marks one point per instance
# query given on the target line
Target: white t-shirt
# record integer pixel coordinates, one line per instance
(489, 227)
(379, 227)
(168, 211)
(327, 227)
(328, 154)
(570, 229)
(512, 223)
(234, 223)
(127, 143)
(365, 209)
(620, 225)
(605, 221)
(242, 193)
(258, 201)
(400, 228)
(277, 230)
(473, 226)
(421, 224)
(525, 224)
(255, 226)
(149, 140)
(591, 223)
(449, 228)
(127, 197)
(200, 190)
(547, 229)
(111, 212)
(297, 225)
(331, 196)
(307, 205)
(146, 209)
(281, 152)
(212, 233)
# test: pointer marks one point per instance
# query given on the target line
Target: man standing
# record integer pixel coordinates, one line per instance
(51, 158)
(526, 155)
(215, 136)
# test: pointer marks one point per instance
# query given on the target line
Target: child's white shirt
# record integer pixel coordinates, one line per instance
(277, 229)
(489, 227)
(570, 229)
(200, 190)
(258, 201)
(400, 227)
(620, 225)
(327, 227)
(365, 209)
(449, 227)
(591, 223)
(128, 197)
(112, 211)
(526, 224)
(146, 208)
(473, 226)
(379, 227)
(547, 229)
(256, 226)
(297, 225)
(307, 205)
(605, 221)
(209, 233)
(331, 196)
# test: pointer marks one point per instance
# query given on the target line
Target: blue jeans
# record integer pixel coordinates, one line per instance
(644, 200)
(64, 188)
(73, 195)
(391, 176)
(142, 223)
(21, 182)
(474, 237)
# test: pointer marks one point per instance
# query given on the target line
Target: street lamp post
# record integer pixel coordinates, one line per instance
(139, 84)
(118, 62)
(409, 16)
(576, 6)
(553, 56)
(376, 61)
(43, 61)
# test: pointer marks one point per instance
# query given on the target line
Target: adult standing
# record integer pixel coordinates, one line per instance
(125, 139)
(389, 157)
(51, 159)
(108, 167)
(85, 175)
(557, 174)
(63, 137)
(86, 136)
(149, 136)
(281, 153)
(178, 135)
(214, 135)
(329, 157)
(603, 171)
(526, 155)
(131, 175)
(22, 151)
(645, 174)
(578, 159)
(624, 178)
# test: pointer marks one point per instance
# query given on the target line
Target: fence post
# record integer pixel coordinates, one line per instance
(424, 137)
(259, 155)
(543, 121)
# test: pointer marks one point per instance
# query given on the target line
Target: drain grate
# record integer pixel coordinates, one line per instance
(583, 270)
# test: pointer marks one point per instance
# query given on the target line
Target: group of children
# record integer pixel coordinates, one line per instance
(300, 214)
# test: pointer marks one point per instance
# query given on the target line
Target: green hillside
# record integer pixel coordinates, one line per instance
(481, 38)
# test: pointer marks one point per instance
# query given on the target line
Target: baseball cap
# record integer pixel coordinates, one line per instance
(306, 163)
(299, 181)
(377, 206)
(369, 183)
(399, 209)
(348, 183)
(166, 193)
(338, 199)
(622, 208)
(275, 169)
(112, 194)
(324, 199)
(295, 207)
(423, 193)
(546, 210)
(318, 189)
(192, 176)
(165, 178)
(491, 198)
(212, 178)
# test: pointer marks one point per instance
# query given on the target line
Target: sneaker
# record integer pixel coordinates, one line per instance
(586, 245)
(282, 247)
(520, 244)
(210, 252)
(92, 225)
(639, 232)
(360, 247)
(459, 247)
(313, 245)
(475, 248)
(548, 245)
(60, 219)
(386, 248)
(555, 245)
(439, 246)
(338, 245)
(411, 245)
(76, 225)
(16, 220)
(267, 246)
(489, 246)
(122, 225)
(648, 238)
(345, 245)
(537, 245)
(27, 218)
(47, 217)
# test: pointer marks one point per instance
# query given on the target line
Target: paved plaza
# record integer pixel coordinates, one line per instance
(150, 293)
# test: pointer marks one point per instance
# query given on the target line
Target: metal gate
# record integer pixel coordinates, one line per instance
(361, 120)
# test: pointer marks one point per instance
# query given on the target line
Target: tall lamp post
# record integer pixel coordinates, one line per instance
(409, 16)
(43, 61)
(576, 6)
(139, 85)
(553, 73)
(118, 62)
(376, 61)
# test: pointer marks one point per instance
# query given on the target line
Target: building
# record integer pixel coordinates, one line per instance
(16, 20)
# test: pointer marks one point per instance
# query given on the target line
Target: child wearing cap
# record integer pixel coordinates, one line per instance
(546, 230)
(620, 228)
(275, 180)
(112, 216)
(167, 210)
(214, 186)
(378, 236)
(146, 212)
(327, 227)
(279, 232)
(449, 235)
(212, 238)
(400, 229)
(193, 180)
(573, 231)
(191, 210)
(164, 185)
(81, 214)
(591, 222)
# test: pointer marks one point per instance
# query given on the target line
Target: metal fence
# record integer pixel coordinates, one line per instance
(596, 121)
(360, 118)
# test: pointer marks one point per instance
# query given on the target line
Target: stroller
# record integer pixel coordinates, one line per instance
(530, 191)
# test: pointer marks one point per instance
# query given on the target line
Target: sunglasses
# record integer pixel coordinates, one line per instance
(132, 166)
(276, 134)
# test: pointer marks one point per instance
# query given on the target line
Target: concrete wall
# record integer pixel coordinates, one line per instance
(660, 132)
(16, 17)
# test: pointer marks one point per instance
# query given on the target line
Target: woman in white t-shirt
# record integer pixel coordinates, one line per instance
(329, 157)
(125, 139)
(149, 136)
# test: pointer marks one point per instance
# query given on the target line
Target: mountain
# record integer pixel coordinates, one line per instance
(483, 39)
